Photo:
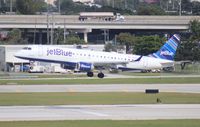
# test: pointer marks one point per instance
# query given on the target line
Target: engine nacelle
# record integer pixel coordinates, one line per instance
(86, 67)
(67, 66)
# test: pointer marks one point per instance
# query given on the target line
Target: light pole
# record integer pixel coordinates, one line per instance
(125, 4)
(0, 5)
(64, 31)
(59, 6)
(180, 9)
(113, 4)
(34, 32)
(52, 29)
(48, 23)
(11, 4)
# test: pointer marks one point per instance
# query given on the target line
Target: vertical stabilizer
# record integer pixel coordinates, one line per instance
(168, 50)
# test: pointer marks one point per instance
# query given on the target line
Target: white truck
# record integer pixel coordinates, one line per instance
(105, 16)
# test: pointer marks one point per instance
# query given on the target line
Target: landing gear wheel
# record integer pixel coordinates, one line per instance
(90, 74)
(100, 75)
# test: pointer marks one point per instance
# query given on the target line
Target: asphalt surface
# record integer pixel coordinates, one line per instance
(99, 112)
(109, 76)
(180, 88)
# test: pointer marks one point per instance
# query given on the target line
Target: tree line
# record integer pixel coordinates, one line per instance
(189, 49)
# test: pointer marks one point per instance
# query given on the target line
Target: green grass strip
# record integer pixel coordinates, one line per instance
(106, 81)
(104, 123)
(73, 98)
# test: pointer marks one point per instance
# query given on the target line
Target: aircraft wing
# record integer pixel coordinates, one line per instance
(107, 63)
(183, 62)
(115, 62)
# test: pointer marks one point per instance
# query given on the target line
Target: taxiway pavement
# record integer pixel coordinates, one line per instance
(109, 76)
(99, 112)
(181, 88)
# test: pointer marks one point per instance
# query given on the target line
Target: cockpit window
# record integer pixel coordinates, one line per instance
(26, 48)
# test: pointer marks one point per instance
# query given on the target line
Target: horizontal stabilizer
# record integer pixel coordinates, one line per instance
(138, 59)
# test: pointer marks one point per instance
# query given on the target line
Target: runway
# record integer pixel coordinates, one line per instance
(100, 112)
(180, 88)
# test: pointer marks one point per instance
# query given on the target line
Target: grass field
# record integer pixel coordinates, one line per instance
(105, 81)
(96, 98)
(32, 75)
(104, 123)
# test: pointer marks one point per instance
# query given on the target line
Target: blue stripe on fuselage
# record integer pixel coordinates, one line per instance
(128, 69)
(45, 60)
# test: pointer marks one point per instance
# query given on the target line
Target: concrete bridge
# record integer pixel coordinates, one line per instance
(72, 22)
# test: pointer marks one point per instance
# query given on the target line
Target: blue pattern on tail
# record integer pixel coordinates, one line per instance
(168, 50)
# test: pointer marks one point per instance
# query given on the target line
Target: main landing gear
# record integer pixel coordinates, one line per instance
(91, 74)
(100, 75)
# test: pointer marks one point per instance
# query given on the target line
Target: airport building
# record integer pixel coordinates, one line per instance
(9, 63)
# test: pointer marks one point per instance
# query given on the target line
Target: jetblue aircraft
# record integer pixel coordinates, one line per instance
(87, 60)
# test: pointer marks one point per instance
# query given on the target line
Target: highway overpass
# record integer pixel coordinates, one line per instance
(42, 22)
(72, 22)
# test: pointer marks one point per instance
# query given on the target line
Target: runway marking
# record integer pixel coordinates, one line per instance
(125, 90)
(94, 113)
(71, 90)
(18, 90)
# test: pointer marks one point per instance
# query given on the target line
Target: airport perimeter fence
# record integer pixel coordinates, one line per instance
(190, 68)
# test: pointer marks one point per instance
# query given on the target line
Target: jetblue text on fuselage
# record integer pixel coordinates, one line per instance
(85, 66)
(58, 52)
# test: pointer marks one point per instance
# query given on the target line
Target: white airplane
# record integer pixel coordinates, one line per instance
(87, 60)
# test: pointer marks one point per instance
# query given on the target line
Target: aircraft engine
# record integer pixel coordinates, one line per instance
(67, 66)
(86, 67)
